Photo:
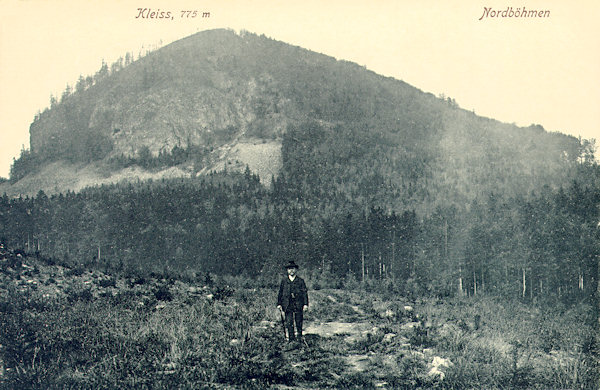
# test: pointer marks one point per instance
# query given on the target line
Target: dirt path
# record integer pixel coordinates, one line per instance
(368, 339)
(347, 337)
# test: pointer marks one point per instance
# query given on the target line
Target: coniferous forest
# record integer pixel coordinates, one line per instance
(542, 245)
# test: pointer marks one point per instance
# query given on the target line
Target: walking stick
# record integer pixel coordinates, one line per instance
(285, 332)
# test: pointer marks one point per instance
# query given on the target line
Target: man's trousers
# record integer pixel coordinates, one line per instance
(290, 318)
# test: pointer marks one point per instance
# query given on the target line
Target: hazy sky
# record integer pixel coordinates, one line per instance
(543, 70)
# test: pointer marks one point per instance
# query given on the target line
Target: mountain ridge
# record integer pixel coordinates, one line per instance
(216, 89)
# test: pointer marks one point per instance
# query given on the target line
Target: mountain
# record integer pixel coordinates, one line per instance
(220, 100)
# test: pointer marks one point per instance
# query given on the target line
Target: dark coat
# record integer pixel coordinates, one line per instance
(292, 295)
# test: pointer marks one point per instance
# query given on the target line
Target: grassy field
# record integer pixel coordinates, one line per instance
(66, 328)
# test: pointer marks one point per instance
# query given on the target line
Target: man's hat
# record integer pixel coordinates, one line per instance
(291, 264)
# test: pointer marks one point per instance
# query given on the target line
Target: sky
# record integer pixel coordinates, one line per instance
(542, 70)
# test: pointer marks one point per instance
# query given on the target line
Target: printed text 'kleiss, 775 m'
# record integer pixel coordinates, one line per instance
(159, 14)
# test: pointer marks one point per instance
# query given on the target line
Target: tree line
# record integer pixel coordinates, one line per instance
(545, 244)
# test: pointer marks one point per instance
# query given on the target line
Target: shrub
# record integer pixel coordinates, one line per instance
(110, 282)
(162, 293)
(420, 337)
(76, 271)
(357, 380)
(79, 293)
(125, 297)
(351, 283)
(136, 281)
(223, 292)
(368, 344)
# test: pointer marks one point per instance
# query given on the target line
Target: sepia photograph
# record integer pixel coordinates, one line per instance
(299, 194)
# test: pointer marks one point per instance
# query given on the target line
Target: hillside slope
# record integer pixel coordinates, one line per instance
(342, 128)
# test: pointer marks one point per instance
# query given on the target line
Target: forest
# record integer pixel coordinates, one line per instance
(539, 246)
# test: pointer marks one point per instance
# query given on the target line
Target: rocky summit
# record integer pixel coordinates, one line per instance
(219, 100)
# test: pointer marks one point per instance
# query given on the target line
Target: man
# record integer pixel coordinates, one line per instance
(293, 300)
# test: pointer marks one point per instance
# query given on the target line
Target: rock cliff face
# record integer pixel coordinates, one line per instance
(213, 91)
(177, 96)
